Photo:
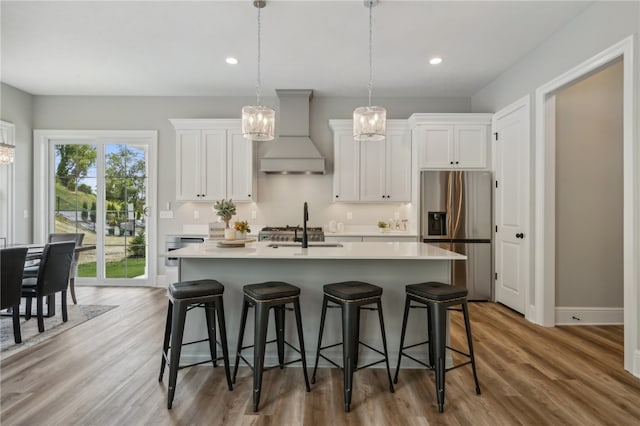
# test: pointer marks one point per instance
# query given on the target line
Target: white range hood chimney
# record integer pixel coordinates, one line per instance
(293, 151)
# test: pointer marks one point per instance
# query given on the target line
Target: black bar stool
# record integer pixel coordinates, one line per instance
(264, 296)
(351, 297)
(438, 298)
(183, 297)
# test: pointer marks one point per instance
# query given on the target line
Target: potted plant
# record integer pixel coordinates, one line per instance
(226, 209)
(382, 226)
(242, 228)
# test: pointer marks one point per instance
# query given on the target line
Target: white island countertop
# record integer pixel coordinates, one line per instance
(354, 250)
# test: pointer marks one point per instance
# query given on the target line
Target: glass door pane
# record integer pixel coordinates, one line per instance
(125, 183)
(74, 202)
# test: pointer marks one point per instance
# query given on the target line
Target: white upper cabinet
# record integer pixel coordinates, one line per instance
(371, 171)
(213, 161)
(451, 141)
(346, 165)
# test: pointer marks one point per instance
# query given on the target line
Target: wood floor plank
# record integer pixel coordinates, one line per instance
(105, 372)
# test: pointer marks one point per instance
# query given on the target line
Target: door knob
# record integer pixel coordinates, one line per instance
(520, 235)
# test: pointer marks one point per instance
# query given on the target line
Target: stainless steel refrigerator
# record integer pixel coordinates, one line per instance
(456, 214)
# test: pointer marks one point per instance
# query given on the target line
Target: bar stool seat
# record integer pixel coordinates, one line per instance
(438, 298)
(271, 290)
(191, 289)
(353, 290)
(184, 296)
(436, 291)
(351, 297)
(263, 297)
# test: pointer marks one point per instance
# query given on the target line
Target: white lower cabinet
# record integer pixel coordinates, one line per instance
(377, 171)
(213, 161)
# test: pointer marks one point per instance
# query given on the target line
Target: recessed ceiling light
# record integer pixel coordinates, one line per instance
(231, 60)
(435, 61)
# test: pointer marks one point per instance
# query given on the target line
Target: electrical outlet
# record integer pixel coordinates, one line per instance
(166, 214)
(196, 214)
(26, 214)
(349, 215)
(254, 214)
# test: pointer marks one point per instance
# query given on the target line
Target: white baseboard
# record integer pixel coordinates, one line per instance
(589, 316)
(636, 364)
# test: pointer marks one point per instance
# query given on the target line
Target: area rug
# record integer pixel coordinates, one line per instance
(52, 327)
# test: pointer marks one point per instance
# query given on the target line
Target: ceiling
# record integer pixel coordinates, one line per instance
(178, 48)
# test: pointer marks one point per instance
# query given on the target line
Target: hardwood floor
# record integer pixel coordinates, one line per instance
(104, 372)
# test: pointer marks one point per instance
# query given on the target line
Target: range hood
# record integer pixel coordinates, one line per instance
(293, 152)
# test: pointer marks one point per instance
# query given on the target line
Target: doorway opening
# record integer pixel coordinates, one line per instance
(545, 184)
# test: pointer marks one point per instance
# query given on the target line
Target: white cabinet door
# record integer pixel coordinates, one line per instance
(346, 178)
(398, 165)
(372, 171)
(189, 163)
(239, 166)
(435, 147)
(213, 168)
(470, 146)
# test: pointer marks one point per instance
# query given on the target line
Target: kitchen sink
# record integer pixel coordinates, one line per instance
(276, 245)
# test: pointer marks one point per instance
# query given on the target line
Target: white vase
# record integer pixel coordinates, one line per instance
(241, 235)
(229, 234)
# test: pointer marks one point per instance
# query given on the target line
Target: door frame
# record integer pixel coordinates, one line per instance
(524, 102)
(8, 171)
(545, 195)
(42, 192)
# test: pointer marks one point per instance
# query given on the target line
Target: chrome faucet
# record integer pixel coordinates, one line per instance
(305, 236)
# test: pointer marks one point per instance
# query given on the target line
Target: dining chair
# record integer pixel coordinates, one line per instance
(53, 277)
(11, 267)
(32, 271)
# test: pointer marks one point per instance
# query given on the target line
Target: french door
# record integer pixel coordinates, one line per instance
(102, 184)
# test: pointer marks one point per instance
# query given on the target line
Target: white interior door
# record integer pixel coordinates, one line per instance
(511, 141)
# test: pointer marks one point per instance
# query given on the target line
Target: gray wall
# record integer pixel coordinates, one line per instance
(17, 108)
(589, 249)
(280, 197)
(594, 30)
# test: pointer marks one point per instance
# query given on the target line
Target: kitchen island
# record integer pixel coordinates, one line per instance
(390, 265)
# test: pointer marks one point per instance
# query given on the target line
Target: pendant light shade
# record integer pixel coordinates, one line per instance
(7, 153)
(370, 122)
(258, 121)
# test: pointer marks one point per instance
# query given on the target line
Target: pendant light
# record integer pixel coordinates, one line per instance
(258, 121)
(7, 152)
(370, 122)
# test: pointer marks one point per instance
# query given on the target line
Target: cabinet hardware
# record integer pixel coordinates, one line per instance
(496, 275)
(457, 162)
(520, 235)
(496, 135)
(450, 162)
(336, 196)
(496, 184)
(496, 228)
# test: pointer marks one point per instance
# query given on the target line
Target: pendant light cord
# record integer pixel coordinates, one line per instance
(258, 84)
(370, 85)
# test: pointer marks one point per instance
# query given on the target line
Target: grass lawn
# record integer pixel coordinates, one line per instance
(134, 268)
